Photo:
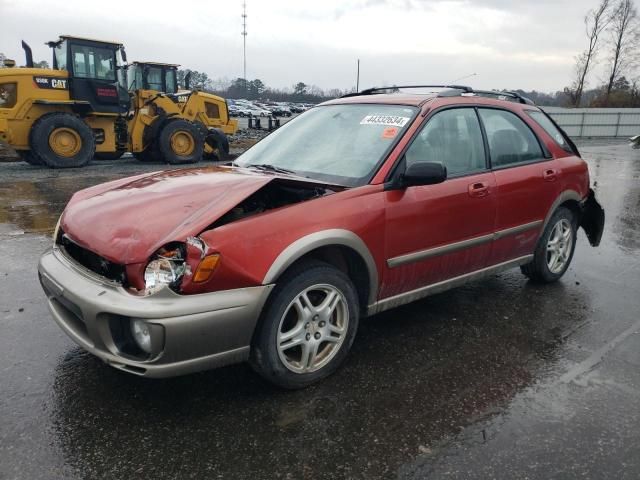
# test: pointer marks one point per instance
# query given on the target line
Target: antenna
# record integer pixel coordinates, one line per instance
(244, 44)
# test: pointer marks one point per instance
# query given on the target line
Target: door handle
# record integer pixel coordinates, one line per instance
(479, 189)
(549, 175)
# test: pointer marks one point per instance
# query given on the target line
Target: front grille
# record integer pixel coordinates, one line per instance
(92, 261)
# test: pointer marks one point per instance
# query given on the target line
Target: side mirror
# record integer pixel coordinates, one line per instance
(123, 54)
(424, 173)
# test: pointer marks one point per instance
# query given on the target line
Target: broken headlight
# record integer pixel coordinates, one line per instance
(165, 269)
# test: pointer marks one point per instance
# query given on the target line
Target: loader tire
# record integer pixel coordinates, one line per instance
(217, 140)
(109, 155)
(30, 158)
(62, 140)
(180, 142)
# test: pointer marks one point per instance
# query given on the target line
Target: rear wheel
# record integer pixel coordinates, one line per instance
(180, 142)
(555, 248)
(62, 140)
(109, 155)
(308, 326)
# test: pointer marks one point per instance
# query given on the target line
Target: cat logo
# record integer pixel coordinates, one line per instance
(183, 98)
(55, 83)
(51, 83)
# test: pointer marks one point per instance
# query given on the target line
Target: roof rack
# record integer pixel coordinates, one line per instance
(374, 90)
(448, 91)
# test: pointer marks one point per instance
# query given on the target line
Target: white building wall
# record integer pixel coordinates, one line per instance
(597, 122)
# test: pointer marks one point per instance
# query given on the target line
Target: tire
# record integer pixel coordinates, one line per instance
(217, 139)
(30, 158)
(149, 155)
(180, 142)
(550, 263)
(62, 140)
(109, 155)
(285, 367)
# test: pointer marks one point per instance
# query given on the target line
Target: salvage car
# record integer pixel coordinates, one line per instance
(359, 205)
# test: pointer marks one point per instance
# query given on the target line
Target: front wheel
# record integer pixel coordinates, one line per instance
(555, 248)
(180, 142)
(308, 326)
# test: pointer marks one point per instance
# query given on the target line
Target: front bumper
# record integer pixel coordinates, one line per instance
(195, 332)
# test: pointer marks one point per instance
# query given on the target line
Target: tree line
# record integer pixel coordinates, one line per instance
(256, 89)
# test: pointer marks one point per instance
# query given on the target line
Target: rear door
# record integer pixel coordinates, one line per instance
(527, 183)
(437, 232)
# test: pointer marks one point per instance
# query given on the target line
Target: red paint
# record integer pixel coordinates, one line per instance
(126, 221)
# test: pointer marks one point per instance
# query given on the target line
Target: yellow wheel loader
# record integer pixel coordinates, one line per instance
(62, 117)
(208, 112)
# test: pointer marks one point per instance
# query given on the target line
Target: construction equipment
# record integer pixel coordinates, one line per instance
(208, 112)
(61, 117)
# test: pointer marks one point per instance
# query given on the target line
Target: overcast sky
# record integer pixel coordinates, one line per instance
(527, 44)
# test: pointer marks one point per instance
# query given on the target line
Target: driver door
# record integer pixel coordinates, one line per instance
(437, 232)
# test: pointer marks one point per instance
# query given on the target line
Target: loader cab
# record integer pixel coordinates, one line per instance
(97, 72)
(161, 77)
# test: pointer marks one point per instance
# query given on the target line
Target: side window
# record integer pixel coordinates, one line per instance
(8, 95)
(93, 62)
(548, 126)
(453, 138)
(79, 65)
(510, 140)
(212, 110)
(171, 81)
(154, 79)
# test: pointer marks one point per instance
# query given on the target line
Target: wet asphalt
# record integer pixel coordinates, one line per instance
(498, 379)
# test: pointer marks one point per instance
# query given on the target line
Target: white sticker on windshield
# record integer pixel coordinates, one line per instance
(386, 120)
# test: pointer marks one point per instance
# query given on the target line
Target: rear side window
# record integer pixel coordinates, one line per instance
(548, 126)
(8, 95)
(511, 141)
(453, 138)
(212, 110)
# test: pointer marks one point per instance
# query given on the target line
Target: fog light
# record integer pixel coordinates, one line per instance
(141, 334)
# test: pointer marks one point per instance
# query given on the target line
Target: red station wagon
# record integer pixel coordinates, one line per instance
(359, 205)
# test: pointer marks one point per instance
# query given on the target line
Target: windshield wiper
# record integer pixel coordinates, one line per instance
(270, 168)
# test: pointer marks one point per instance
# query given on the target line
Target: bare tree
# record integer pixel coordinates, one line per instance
(595, 22)
(624, 42)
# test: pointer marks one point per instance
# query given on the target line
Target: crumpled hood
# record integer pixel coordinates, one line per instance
(127, 220)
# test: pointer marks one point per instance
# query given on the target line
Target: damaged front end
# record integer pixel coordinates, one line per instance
(592, 219)
(186, 267)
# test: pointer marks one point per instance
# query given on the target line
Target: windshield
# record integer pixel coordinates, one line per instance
(341, 144)
(60, 55)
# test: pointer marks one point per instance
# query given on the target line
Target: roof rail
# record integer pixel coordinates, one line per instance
(505, 93)
(374, 90)
(448, 91)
